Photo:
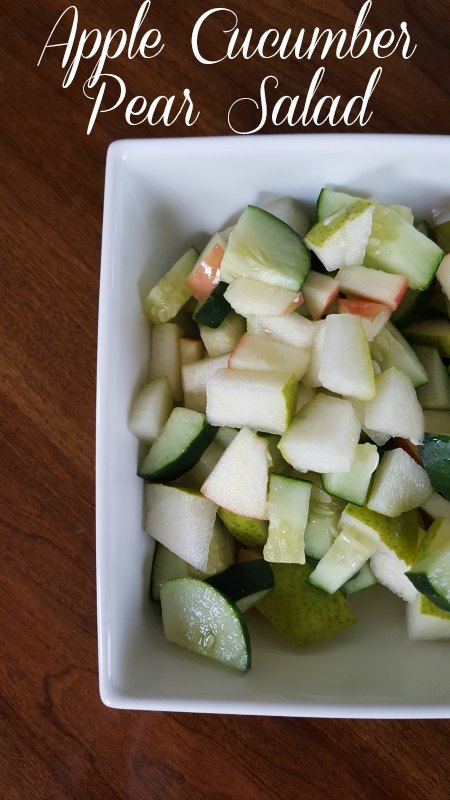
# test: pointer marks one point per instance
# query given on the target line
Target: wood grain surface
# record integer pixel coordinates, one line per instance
(57, 740)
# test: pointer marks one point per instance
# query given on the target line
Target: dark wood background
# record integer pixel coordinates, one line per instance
(57, 740)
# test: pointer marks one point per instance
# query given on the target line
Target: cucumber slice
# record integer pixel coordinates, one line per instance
(170, 293)
(396, 246)
(435, 455)
(432, 332)
(150, 409)
(264, 248)
(299, 611)
(244, 583)
(322, 526)
(390, 349)
(431, 572)
(341, 239)
(166, 565)
(213, 311)
(196, 616)
(400, 484)
(247, 530)
(183, 439)
(288, 515)
(354, 484)
(363, 579)
(330, 201)
(436, 393)
(406, 214)
(424, 228)
(348, 553)
(412, 306)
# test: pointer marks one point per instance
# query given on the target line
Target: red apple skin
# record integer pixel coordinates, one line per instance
(206, 273)
(408, 447)
(330, 299)
(361, 292)
(362, 308)
(295, 303)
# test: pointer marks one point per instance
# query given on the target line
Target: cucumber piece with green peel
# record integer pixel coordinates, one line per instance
(423, 227)
(247, 530)
(390, 349)
(300, 611)
(443, 279)
(397, 246)
(431, 332)
(435, 455)
(170, 293)
(340, 240)
(183, 439)
(322, 525)
(346, 556)
(197, 616)
(264, 248)
(331, 201)
(400, 484)
(412, 307)
(430, 574)
(288, 507)
(363, 579)
(436, 393)
(441, 235)
(244, 583)
(353, 485)
(405, 212)
(214, 310)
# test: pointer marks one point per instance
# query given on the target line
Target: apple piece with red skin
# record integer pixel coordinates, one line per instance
(206, 273)
(373, 315)
(319, 291)
(408, 447)
(249, 297)
(373, 284)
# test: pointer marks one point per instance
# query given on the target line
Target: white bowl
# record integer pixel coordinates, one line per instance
(161, 196)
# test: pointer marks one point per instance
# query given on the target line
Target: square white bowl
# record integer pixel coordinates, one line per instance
(160, 197)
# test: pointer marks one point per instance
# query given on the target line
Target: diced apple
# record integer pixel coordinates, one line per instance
(195, 377)
(291, 329)
(258, 399)
(323, 436)
(373, 315)
(206, 273)
(319, 292)
(345, 361)
(304, 395)
(373, 284)
(258, 352)
(247, 297)
(238, 482)
(311, 377)
(395, 409)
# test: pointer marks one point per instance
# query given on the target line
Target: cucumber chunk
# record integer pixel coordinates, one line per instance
(391, 349)
(244, 583)
(354, 484)
(435, 454)
(214, 310)
(288, 515)
(264, 248)
(170, 293)
(363, 579)
(183, 439)
(348, 553)
(197, 616)
(322, 526)
(431, 575)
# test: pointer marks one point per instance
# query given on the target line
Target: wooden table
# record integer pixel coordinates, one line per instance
(57, 740)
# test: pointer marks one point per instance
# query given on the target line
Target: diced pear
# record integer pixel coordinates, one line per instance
(427, 621)
(291, 329)
(238, 482)
(345, 361)
(341, 240)
(247, 530)
(222, 339)
(311, 377)
(195, 377)
(299, 611)
(395, 409)
(261, 353)
(258, 399)
(400, 484)
(322, 436)
(150, 410)
(248, 296)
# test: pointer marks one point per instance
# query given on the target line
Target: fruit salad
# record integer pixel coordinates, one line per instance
(296, 423)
